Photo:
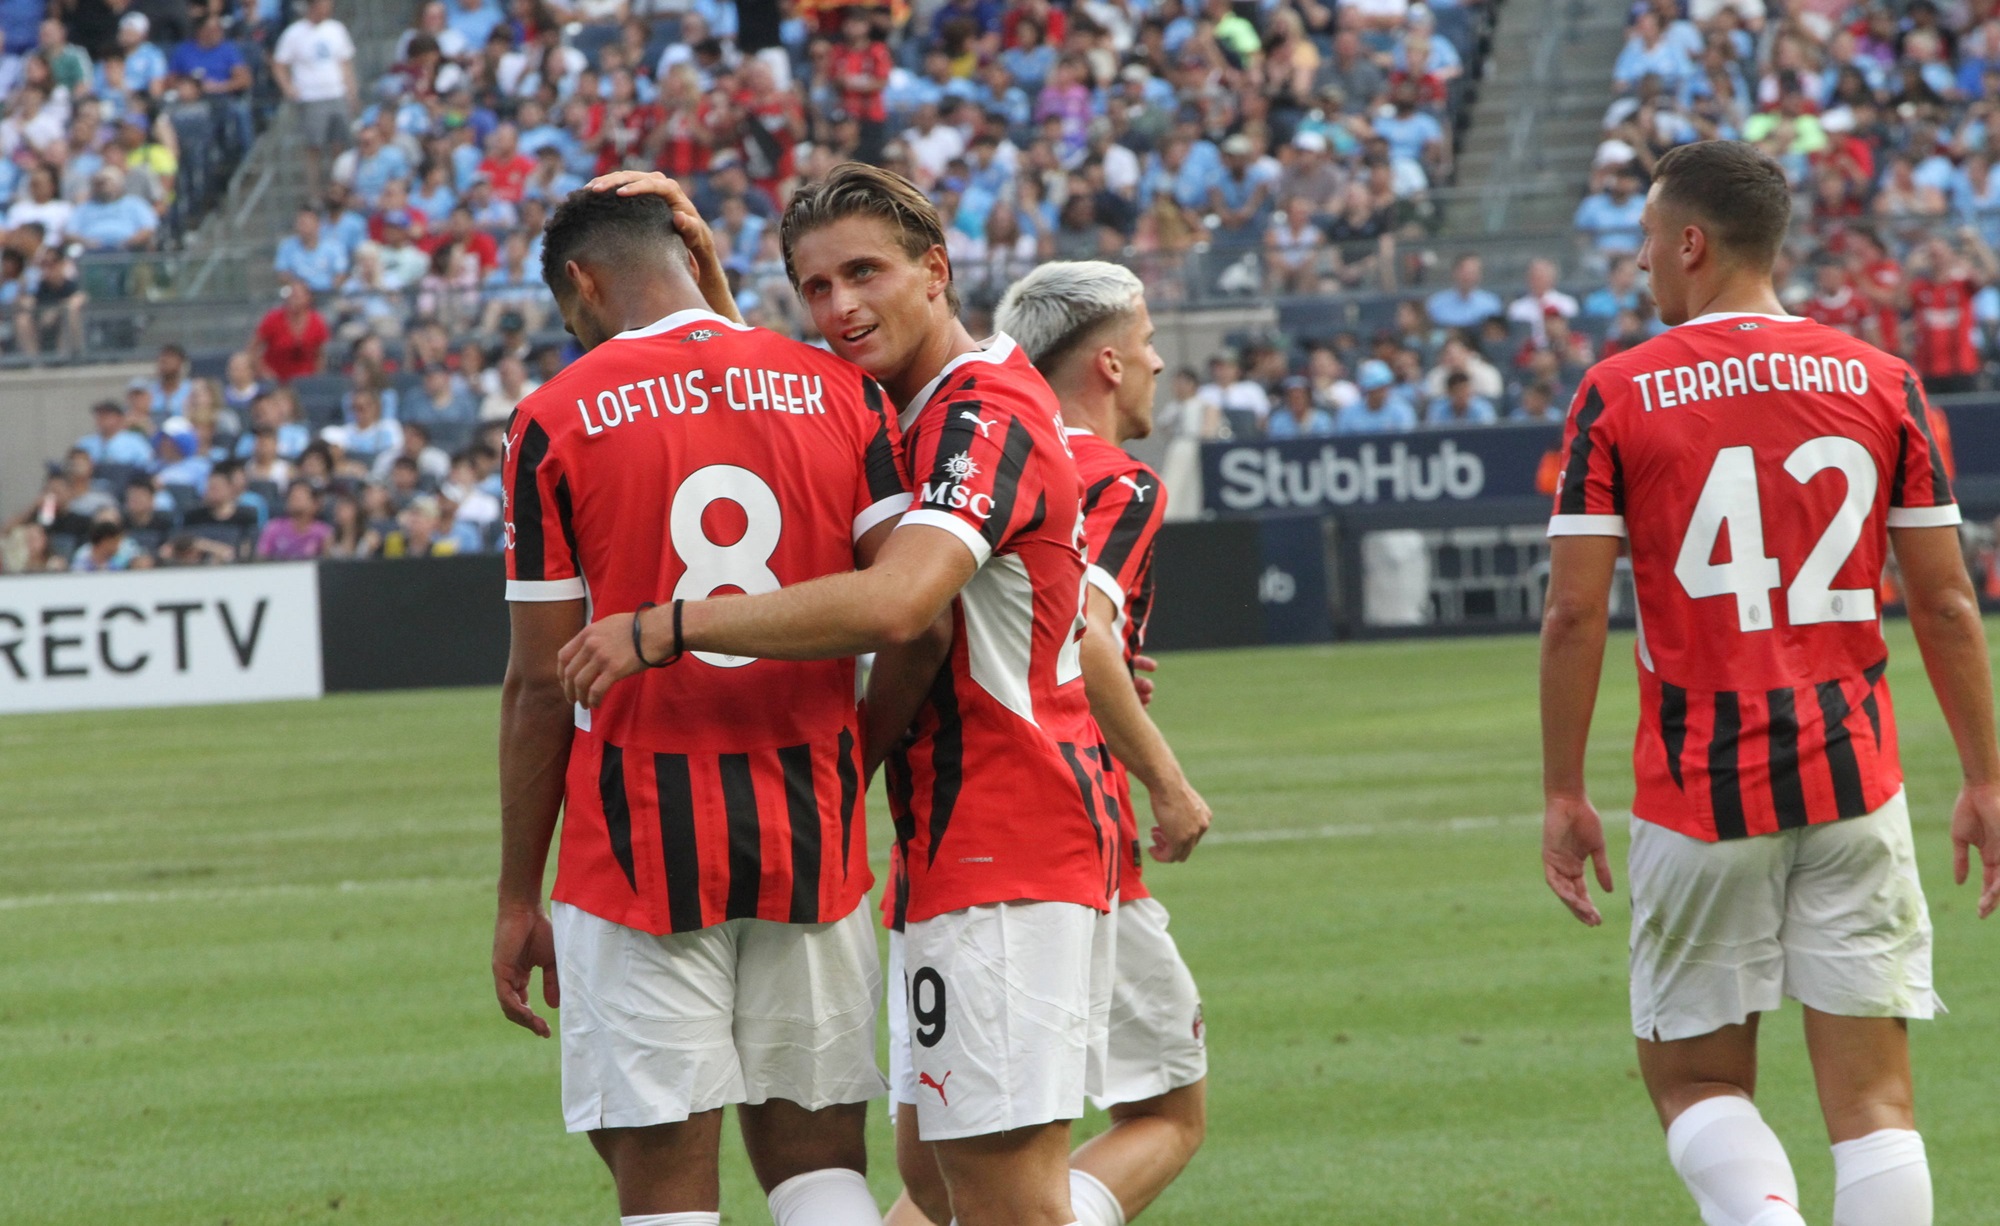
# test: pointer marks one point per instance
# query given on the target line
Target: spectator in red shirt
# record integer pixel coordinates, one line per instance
(861, 65)
(772, 123)
(1877, 277)
(1834, 302)
(291, 339)
(459, 228)
(1941, 312)
(506, 167)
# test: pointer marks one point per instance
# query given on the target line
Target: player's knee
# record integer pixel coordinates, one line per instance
(923, 1182)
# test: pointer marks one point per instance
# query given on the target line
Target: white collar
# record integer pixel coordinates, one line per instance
(1719, 316)
(1074, 430)
(679, 319)
(996, 349)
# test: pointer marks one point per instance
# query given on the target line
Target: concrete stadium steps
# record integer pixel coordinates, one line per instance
(1525, 156)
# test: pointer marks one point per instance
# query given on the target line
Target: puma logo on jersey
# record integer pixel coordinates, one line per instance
(984, 426)
(1138, 491)
(925, 1079)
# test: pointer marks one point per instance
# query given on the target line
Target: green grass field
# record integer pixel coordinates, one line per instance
(245, 966)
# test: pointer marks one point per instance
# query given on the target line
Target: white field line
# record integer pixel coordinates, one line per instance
(1225, 837)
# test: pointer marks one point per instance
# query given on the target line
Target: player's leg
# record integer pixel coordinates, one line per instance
(1019, 1177)
(648, 1060)
(1001, 1004)
(925, 1200)
(1858, 956)
(666, 1169)
(805, 1034)
(1155, 1074)
(1706, 961)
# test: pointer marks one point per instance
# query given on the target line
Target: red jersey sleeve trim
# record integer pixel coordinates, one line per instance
(530, 591)
(1586, 525)
(882, 511)
(1946, 516)
(966, 533)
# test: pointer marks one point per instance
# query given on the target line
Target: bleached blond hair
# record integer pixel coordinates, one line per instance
(1053, 310)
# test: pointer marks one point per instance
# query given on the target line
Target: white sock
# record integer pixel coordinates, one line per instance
(1734, 1164)
(671, 1219)
(1092, 1202)
(834, 1196)
(1882, 1179)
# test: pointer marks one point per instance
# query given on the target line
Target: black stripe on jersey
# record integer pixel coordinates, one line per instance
(1725, 786)
(802, 809)
(1576, 474)
(1083, 789)
(1034, 521)
(1913, 404)
(617, 810)
(947, 759)
(566, 519)
(1902, 466)
(746, 844)
(1007, 481)
(1848, 798)
(1873, 675)
(1674, 728)
(1128, 528)
(1617, 481)
(884, 481)
(850, 788)
(902, 789)
(1788, 794)
(680, 854)
(525, 504)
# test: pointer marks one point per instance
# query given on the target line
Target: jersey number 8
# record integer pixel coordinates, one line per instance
(1729, 503)
(744, 564)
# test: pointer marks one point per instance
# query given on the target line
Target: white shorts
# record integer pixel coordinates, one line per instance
(1003, 1010)
(1830, 915)
(1157, 1042)
(658, 1028)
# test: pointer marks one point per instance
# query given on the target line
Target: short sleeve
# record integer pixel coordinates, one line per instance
(971, 466)
(880, 494)
(539, 531)
(1590, 493)
(1122, 515)
(1920, 486)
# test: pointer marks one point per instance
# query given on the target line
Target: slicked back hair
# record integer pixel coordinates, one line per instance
(613, 231)
(1737, 191)
(856, 189)
(1058, 307)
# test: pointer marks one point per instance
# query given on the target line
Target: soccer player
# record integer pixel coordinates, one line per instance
(1006, 830)
(1758, 467)
(1086, 328)
(706, 930)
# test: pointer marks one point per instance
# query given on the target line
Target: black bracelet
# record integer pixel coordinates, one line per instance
(639, 650)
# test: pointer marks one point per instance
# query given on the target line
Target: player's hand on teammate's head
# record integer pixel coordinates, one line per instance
(1144, 685)
(688, 223)
(522, 941)
(600, 654)
(1572, 834)
(1180, 818)
(1975, 822)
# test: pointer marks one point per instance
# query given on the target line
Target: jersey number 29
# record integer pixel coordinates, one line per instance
(1729, 504)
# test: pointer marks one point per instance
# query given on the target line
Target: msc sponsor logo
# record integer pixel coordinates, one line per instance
(1256, 478)
(958, 498)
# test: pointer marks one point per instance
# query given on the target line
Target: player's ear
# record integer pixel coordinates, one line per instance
(1111, 366)
(937, 271)
(580, 278)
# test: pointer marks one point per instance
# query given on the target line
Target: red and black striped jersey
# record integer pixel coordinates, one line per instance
(1000, 793)
(1755, 463)
(681, 460)
(1124, 505)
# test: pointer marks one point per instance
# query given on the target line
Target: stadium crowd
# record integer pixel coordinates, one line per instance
(1287, 149)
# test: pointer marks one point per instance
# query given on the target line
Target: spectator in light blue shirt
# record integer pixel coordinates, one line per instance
(1466, 304)
(474, 20)
(1648, 53)
(1620, 292)
(1458, 406)
(370, 165)
(1030, 59)
(111, 220)
(1610, 218)
(145, 63)
(1380, 410)
(310, 256)
(1296, 415)
(343, 223)
(115, 441)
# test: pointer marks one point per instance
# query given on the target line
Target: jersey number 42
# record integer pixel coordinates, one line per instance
(1729, 503)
